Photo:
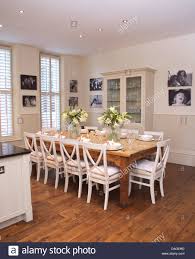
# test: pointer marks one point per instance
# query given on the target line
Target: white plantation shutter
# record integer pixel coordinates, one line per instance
(6, 125)
(50, 92)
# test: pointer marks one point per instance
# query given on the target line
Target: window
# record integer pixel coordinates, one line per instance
(6, 124)
(50, 92)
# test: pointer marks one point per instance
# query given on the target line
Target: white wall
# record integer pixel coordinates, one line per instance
(169, 54)
(25, 60)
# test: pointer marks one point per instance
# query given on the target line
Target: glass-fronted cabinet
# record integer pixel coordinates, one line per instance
(133, 98)
(129, 90)
(113, 93)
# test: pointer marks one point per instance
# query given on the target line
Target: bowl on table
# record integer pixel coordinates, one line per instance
(111, 145)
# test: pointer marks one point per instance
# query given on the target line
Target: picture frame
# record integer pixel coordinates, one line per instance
(28, 82)
(73, 101)
(73, 86)
(29, 101)
(96, 84)
(95, 101)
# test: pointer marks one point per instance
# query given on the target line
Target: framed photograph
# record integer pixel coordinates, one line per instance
(95, 101)
(73, 101)
(73, 86)
(180, 97)
(179, 78)
(28, 82)
(29, 100)
(96, 84)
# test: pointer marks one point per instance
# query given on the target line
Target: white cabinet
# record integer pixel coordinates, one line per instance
(15, 190)
(132, 91)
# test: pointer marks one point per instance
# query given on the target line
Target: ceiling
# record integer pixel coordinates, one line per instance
(46, 23)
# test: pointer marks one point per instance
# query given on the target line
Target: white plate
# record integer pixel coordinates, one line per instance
(114, 148)
(146, 140)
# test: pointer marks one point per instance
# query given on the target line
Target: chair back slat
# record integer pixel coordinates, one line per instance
(93, 164)
(30, 142)
(162, 154)
(69, 149)
(48, 147)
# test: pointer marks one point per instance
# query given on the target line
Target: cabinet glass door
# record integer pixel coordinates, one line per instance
(113, 93)
(133, 98)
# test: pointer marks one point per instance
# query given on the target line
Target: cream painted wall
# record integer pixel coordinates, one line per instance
(170, 54)
(25, 60)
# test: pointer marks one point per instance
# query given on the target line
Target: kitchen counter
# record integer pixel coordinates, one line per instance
(15, 187)
(8, 150)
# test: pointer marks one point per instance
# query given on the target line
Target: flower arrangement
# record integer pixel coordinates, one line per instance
(75, 116)
(112, 118)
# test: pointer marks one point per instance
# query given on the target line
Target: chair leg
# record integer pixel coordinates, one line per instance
(140, 185)
(30, 165)
(46, 175)
(66, 182)
(74, 179)
(161, 187)
(38, 171)
(152, 192)
(106, 197)
(57, 178)
(80, 186)
(97, 186)
(89, 191)
(130, 186)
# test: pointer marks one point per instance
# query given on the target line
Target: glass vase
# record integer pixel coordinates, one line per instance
(74, 131)
(113, 134)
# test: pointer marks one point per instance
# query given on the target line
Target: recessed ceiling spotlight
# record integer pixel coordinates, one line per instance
(80, 36)
(1, 26)
(74, 24)
(125, 21)
(21, 11)
(100, 29)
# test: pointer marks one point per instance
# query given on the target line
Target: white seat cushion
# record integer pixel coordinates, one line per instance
(38, 154)
(59, 158)
(74, 163)
(146, 165)
(113, 172)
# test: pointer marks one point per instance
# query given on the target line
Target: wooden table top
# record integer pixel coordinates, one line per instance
(129, 149)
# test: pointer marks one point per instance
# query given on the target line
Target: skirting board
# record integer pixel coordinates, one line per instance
(182, 158)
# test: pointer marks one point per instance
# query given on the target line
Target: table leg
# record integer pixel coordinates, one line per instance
(124, 182)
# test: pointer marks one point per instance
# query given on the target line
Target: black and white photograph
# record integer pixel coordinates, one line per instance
(73, 86)
(179, 78)
(28, 82)
(180, 97)
(95, 101)
(96, 84)
(73, 101)
(29, 101)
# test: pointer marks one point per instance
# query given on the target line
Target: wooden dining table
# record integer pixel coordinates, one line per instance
(131, 151)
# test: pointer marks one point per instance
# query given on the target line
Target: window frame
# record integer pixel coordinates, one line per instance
(50, 94)
(11, 91)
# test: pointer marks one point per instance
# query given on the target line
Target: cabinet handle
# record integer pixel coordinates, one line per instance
(2, 169)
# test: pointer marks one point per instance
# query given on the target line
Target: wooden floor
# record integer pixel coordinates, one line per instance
(64, 217)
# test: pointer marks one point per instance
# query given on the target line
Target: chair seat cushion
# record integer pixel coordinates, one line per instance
(36, 154)
(146, 165)
(113, 172)
(52, 158)
(74, 163)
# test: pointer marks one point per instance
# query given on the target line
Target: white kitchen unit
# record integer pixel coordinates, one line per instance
(131, 91)
(15, 188)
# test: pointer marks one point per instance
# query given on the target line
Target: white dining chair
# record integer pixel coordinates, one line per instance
(36, 156)
(158, 135)
(73, 165)
(52, 159)
(98, 172)
(151, 171)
